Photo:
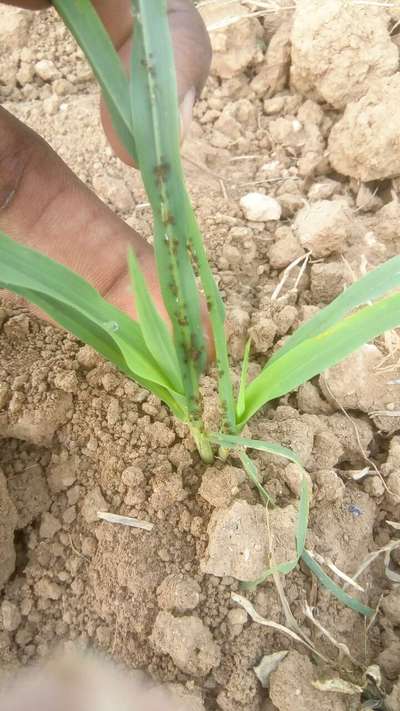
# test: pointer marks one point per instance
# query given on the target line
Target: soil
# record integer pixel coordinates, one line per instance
(76, 437)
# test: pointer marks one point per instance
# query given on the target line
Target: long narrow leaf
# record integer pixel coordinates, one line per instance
(330, 585)
(233, 442)
(240, 407)
(370, 287)
(154, 105)
(154, 330)
(89, 32)
(316, 354)
(251, 470)
(78, 307)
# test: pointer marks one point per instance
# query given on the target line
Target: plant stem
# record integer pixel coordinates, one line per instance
(203, 444)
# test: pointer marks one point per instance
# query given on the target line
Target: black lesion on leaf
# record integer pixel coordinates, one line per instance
(161, 171)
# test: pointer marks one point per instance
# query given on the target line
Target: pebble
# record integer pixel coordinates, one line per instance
(49, 526)
(46, 70)
(11, 616)
(258, 207)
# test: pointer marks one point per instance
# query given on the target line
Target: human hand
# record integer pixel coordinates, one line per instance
(45, 206)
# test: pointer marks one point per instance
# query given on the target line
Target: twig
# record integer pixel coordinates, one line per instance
(125, 520)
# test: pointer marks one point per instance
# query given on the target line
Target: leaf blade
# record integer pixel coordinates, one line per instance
(154, 329)
(77, 306)
(334, 589)
(314, 355)
(88, 30)
(241, 401)
(370, 287)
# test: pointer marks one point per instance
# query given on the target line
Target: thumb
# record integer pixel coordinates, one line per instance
(192, 52)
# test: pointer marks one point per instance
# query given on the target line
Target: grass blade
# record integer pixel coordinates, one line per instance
(330, 585)
(251, 470)
(154, 329)
(154, 105)
(234, 442)
(370, 287)
(78, 307)
(88, 30)
(315, 354)
(301, 534)
(240, 407)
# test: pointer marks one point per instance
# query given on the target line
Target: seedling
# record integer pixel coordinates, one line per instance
(144, 110)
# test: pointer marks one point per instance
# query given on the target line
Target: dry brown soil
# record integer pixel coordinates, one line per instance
(76, 437)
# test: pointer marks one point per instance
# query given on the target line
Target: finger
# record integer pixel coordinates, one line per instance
(43, 205)
(192, 51)
(27, 4)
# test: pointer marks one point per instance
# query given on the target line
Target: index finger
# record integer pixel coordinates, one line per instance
(27, 4)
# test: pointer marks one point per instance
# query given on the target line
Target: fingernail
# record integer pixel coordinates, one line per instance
(186, 112)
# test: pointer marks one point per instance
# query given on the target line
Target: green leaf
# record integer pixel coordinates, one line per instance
(78, 307)
(251, 470)
(241, 402)
(330, 585)
(301, 533)
(317, 353)
(154, 106)
(233, 442)
(89, 32)
(154, 330)
(370, 287)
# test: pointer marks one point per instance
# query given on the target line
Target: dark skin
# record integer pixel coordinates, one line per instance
(45, 206)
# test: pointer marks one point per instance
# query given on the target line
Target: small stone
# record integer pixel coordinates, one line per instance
(51, 105)
(274, 105)
(88, 358)
(4, 394)
(235, 45)
(49, 526)
(62, 475)
(391, 606)
(237, 617)
(364, 144)
(14, 28)
(258, 207)
(282, 527)
(328, 281)
(263, 335)
(237, 545)
(393, 483)
(392, 701)
(291, 687)
(114, 191)
(46, 70)
(188, 642)
(220, 486)
(67, 381)
(284, 251)
(356, 383)
(178, 592)
(357, 36)
(93, 502)
(330, 487)
(17, 327)
(323, 227)
(292, 476)
(133, 477)
(48, 589)
(11, 616)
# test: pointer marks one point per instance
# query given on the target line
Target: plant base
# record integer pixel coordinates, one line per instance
(203, 445)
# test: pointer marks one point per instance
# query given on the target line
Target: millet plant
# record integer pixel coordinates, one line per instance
(169, 363)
